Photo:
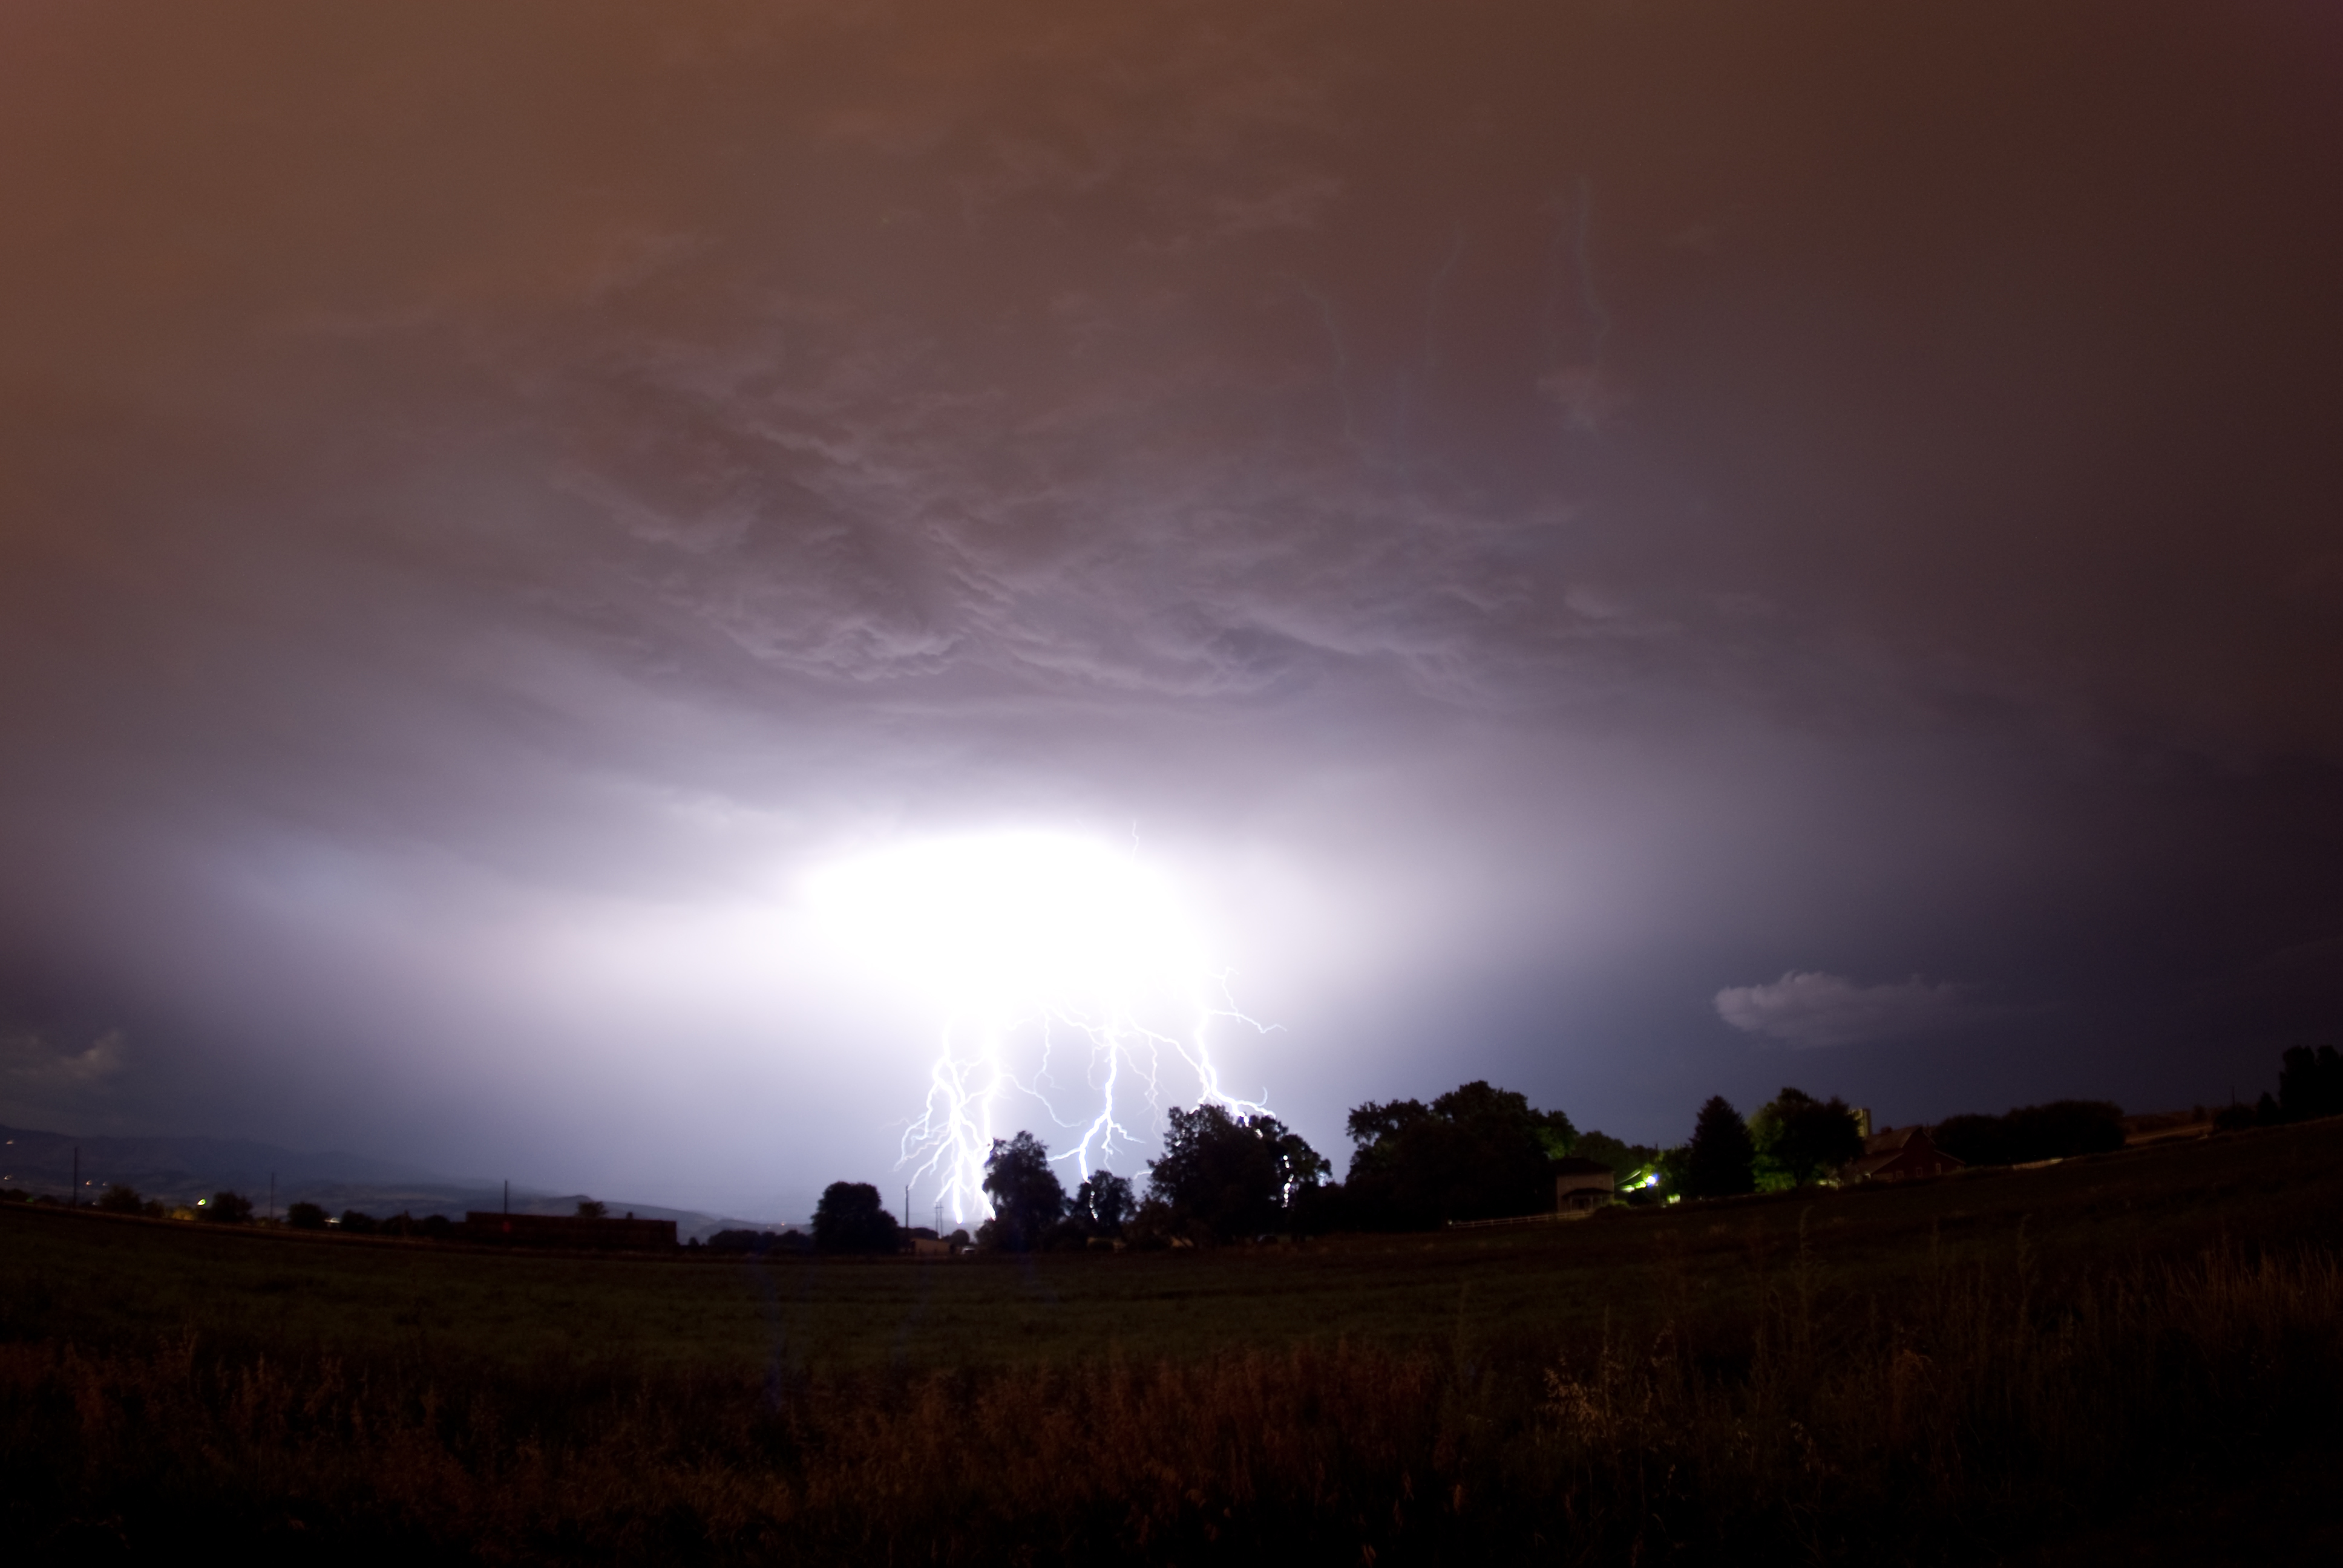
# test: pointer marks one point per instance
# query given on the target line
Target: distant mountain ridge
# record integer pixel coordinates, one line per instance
(181, 1169)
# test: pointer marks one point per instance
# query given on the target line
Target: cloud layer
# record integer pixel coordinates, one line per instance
(1537, 511)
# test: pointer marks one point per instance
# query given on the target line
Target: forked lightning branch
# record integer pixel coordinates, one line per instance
(1072, 995)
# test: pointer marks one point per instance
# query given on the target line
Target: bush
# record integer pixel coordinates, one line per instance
(121, 1198)
(225, 1209)
(305, 1216)
(357, 1224)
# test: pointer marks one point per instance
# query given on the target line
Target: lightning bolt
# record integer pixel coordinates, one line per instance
(1068, 985)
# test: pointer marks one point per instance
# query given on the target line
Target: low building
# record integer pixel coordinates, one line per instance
(1897, 1154)
(628, 1235)
(1581, 1186)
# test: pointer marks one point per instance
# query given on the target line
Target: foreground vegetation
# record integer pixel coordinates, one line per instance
(1954, 1372)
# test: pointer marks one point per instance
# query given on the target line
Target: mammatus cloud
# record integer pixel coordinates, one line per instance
(1806, 1008)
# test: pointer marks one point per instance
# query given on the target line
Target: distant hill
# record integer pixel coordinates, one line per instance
(179, 1169)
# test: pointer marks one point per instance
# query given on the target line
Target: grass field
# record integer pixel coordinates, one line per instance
(1965, 1370)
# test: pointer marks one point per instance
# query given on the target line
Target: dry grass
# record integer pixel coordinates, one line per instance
(1965, 1408)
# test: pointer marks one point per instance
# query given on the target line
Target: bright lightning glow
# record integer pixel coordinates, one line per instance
(1061, 972)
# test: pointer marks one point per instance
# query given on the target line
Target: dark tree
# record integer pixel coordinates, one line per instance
(851, 1218)
(1027, 1196)
(121, 1198)
(2065, 1127)
(2310, 1083)
(1718, 1164)
(1625, 1159)
(357, 1224)
(1102, 1203)
(226, 1208)
(1235, 1175)
(305, 1216)
(593, 1209)
(2058, 1131)
(1800, 1140)
(1974, 1140)
(1476, 1152)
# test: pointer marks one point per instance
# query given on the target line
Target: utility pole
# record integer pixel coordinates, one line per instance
(907, 1205)
(76, 1192)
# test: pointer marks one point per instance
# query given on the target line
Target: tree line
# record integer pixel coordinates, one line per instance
(1478, 1152)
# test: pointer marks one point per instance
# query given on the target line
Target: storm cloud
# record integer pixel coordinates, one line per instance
(1541, 513)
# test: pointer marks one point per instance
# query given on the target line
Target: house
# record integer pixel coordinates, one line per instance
(1897, 1154)
(1580, 1186)
(628, 1234)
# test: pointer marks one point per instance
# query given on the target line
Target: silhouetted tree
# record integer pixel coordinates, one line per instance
(1027, 1196)
(2310, 1083)
(1103, 1203)
(305, 1216)
(225, 1209)
(1718, 1162)
(357, 1224)
(2057, 1130)
(1801, 1140)
(121, 1198)
(593, 1209)
(1476, 1152)
(1234, 1175)
(851, 1218)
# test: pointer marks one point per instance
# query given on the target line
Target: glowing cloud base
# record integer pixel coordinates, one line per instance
(1068, 984)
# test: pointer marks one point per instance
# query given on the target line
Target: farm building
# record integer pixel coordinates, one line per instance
(1900, 1153)
(1580, 1186)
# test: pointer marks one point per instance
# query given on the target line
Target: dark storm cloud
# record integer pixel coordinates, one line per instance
(1624, 503)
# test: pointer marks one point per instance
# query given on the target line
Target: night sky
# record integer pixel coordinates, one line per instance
(1633, 550)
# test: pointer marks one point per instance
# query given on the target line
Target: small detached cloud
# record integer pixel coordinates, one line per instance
(28, 1060)
(1805, 1010)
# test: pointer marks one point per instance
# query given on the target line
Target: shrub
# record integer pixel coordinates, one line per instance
(225, 1209)
(121, 1198)
(305, 1217)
